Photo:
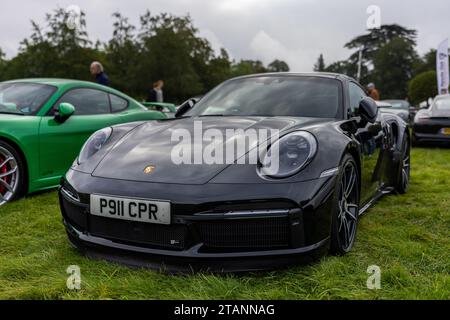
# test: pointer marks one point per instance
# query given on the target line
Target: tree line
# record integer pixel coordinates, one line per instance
(390, 60)
(163, 46)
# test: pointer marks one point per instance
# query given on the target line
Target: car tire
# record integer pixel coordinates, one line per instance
(12, 173)
(345, 214)
(404, 170)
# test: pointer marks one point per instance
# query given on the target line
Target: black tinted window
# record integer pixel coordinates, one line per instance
(87, 101)
(356, 95)
(274, 96)
(118, 103)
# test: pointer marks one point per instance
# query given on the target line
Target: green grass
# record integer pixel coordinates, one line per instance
(407, 236)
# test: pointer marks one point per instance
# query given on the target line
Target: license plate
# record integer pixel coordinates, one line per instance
(149, 211)
(445, 131)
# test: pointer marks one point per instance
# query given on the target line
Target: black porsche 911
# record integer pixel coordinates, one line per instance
(128, 200)
(433, 124)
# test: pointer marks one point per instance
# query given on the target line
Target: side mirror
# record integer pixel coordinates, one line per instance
(368, 109)
(65, 110)
(185, 107)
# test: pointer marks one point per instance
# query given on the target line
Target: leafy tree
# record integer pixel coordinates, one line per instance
(393, 67)
(244, 67)
(278, 66)
(168, 48)
(218, 70)
(58, 51)
(122, 53)
(2, 65)
(163, 47)
(371, 42)
(319, 66)
(426, 63)
(422, 87)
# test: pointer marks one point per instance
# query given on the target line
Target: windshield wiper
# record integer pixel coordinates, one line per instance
(213, 115)
(16, 113)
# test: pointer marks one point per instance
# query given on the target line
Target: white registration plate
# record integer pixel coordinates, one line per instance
(149, 211)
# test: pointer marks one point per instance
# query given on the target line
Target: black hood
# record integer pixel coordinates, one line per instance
(150, 145)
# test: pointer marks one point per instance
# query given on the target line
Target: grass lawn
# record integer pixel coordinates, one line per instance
(406, 236)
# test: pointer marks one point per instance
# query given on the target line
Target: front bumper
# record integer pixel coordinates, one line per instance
(263, 228)
(431, 137)
(429, 130)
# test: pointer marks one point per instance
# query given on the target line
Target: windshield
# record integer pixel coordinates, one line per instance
(23, 98)
(442, 105)
(273, 96)
(398, 104)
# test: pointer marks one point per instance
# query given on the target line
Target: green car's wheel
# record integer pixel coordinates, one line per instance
(11, 177)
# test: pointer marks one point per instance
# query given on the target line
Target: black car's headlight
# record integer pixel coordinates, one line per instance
(288, 155)
(94, 144)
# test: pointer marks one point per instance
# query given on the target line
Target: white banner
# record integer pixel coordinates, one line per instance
(442, 67)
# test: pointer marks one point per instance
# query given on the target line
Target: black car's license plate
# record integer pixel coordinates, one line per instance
(149, 211)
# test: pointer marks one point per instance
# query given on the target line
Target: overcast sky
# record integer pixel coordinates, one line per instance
(296, 31)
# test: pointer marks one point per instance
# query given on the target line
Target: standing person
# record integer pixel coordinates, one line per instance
(98, 72)
(156, 94)
(373, 92)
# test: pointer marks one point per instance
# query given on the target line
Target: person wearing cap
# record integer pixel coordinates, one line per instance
(373, 92)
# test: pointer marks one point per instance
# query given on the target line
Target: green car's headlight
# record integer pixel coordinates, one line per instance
(94, 144)
(288, 155)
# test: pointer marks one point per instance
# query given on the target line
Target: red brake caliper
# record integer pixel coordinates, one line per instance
(2, 170)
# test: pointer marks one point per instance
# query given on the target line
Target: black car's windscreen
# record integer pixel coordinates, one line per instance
(23, 98)
(273, 96)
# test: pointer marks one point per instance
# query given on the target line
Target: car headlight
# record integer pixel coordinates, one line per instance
(94, 144)
(288, 155)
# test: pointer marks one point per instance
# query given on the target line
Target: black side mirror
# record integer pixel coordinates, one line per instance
(368, 109)
(185, 107)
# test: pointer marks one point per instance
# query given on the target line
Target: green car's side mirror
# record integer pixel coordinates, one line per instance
(65, 110)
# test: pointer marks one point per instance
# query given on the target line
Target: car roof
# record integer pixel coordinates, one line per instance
(60, 83)
(329, 75)
(54, 81)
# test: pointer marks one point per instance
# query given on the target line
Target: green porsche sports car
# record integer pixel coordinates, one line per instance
(45, 122)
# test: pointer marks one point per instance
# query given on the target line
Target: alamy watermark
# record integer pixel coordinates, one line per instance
(73, 17)
(374, 279)
(74, 279)
(229, 146)
(374, 19)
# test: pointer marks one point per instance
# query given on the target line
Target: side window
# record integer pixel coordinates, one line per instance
(87, 101)
(117, 103)
(356, 95)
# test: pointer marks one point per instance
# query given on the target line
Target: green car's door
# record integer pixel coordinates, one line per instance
(60, 143)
